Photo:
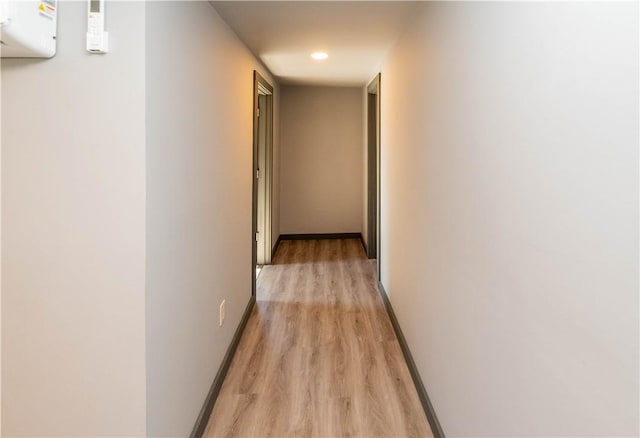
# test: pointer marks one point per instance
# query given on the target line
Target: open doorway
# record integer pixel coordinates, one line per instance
(373, 171)
(262, 174)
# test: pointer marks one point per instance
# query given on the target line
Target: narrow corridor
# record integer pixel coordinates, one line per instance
(319, 356)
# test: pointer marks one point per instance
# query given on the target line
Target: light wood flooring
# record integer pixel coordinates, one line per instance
(319, 356)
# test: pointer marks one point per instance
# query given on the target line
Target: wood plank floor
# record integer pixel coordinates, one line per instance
(318, 356)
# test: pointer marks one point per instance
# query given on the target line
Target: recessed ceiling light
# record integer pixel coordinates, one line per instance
(319, 56)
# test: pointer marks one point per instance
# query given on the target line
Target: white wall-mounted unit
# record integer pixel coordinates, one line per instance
(28, 28)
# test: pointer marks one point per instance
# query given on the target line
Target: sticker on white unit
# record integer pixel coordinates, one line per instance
(28, 28)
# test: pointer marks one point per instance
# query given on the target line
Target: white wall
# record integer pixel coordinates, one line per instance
(199, 197)
(510, 214)
(73, 227)
(0, 249)
(321, 160)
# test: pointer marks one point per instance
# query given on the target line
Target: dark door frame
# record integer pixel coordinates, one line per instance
(373, 170)
(260, 86)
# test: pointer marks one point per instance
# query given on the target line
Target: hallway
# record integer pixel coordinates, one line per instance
(485, 154)
(318, 356)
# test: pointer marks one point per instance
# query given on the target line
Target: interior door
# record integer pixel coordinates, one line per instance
(261, 176)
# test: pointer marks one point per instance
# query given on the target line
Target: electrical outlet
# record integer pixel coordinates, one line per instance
(222, 313)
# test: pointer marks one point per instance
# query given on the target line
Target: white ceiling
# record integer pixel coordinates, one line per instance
(357, 35)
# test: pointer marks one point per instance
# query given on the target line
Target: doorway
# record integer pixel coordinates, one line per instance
(373, 171)
(262, 174)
